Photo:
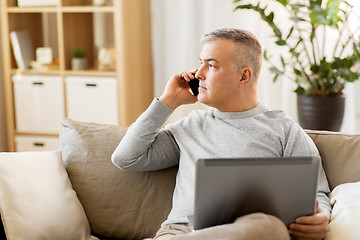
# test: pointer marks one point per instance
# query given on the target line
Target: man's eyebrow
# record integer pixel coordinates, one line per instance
(208, 60)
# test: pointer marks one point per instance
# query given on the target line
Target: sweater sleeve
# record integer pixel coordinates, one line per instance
(300, 144)
(145, 146)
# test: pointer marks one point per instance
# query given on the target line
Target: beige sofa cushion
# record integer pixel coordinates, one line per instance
(118, 204)
(345, 217)
(340, 154)
(37, 201)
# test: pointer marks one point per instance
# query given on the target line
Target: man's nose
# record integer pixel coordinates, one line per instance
(199, 74)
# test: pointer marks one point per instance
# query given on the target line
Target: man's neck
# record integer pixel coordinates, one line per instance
(239, 107)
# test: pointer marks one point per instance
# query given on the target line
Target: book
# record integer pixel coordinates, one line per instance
(23, 49)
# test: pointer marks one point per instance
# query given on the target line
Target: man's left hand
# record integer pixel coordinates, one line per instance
(310, 227)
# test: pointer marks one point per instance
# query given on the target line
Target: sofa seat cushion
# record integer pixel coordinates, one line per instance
(345, 217)
(118, 204)
(37, 201)
(340, 155)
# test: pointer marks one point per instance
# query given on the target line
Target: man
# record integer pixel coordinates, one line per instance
(236, 125)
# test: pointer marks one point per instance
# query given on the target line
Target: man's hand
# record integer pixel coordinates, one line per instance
(310, 227)
(177, 92)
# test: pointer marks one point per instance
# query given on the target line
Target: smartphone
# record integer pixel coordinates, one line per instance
(194, 86)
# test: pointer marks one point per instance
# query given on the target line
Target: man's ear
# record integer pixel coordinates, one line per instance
(245, 75)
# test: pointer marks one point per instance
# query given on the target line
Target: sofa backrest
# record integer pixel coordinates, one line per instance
(340, 154)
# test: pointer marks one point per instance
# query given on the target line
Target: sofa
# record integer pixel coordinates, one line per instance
(108, 203)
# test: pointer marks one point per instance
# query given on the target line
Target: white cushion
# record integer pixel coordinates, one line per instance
(37, 200)
(345, 217)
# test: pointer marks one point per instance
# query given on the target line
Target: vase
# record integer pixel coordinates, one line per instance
(321, 113)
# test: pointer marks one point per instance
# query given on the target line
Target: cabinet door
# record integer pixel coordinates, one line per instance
(39, 103)
(92, 99)
(36, 143)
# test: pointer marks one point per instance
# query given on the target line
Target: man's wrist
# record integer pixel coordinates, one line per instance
(166, 102)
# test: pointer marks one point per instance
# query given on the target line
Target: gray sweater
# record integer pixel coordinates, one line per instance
(210, 134)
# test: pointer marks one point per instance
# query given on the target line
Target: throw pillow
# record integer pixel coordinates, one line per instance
(118, 204)
(345, 217)
(37, 200)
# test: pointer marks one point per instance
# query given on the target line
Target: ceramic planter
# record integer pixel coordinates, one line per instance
(321, 113)
(78, 64)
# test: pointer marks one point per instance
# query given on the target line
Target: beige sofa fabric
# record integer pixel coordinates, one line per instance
(126, 205)
(340, 154)
(118, 204)
(37, 201)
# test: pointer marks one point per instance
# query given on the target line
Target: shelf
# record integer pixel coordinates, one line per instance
(32, 10)
(86, 9)
(91, 72)
(37, 134)
(72, 9)
(34, 72)
(70, 25)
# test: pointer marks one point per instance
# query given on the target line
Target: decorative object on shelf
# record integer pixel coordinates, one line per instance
(43, 67)
(23, 48)
(106, 59)
(33, 3)
(44, 60)
(78, 62)
(99, 2)
(317, 74)
(44, 55)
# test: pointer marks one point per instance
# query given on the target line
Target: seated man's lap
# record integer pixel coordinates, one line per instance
(252, 226)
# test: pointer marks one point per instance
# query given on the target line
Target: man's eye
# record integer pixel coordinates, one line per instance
(210, 65)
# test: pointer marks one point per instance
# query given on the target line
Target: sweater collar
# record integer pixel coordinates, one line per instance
(234, 115)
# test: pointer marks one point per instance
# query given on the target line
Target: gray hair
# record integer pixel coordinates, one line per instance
(252, 53)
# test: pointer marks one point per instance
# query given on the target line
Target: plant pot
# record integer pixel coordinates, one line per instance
(319, 113)
(78, 64)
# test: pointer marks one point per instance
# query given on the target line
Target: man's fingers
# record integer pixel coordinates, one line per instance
(187, 76)
(308, 228)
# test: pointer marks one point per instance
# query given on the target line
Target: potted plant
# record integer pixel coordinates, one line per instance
(320, 77)
(78, 61)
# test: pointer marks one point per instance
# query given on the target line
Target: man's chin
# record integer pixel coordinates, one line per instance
(202, 99)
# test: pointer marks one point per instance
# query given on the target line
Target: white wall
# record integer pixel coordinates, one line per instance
(3, 138)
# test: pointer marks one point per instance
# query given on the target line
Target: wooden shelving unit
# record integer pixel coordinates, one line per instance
(70, 25)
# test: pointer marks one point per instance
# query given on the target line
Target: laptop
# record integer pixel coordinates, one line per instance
(226, 189)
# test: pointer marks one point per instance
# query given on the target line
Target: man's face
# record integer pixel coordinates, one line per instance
(219, 81)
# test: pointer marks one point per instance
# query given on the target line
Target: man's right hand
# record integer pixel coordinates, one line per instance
(177, 90)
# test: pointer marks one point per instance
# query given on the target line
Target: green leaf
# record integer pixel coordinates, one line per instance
(297, 6)
(297, 19)
(290, 32)
(283, 62)
(271, 16)
(283, 2)
(280, 42)
(297, 72)
(265, 55)
(333, 8)
(298, 42)
(318, 15)
(300, 90)
(274, 70)
(276, 77)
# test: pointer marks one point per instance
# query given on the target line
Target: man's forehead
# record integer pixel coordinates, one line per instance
(217, 50)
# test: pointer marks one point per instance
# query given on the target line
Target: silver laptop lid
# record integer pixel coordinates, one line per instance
(229, 188)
